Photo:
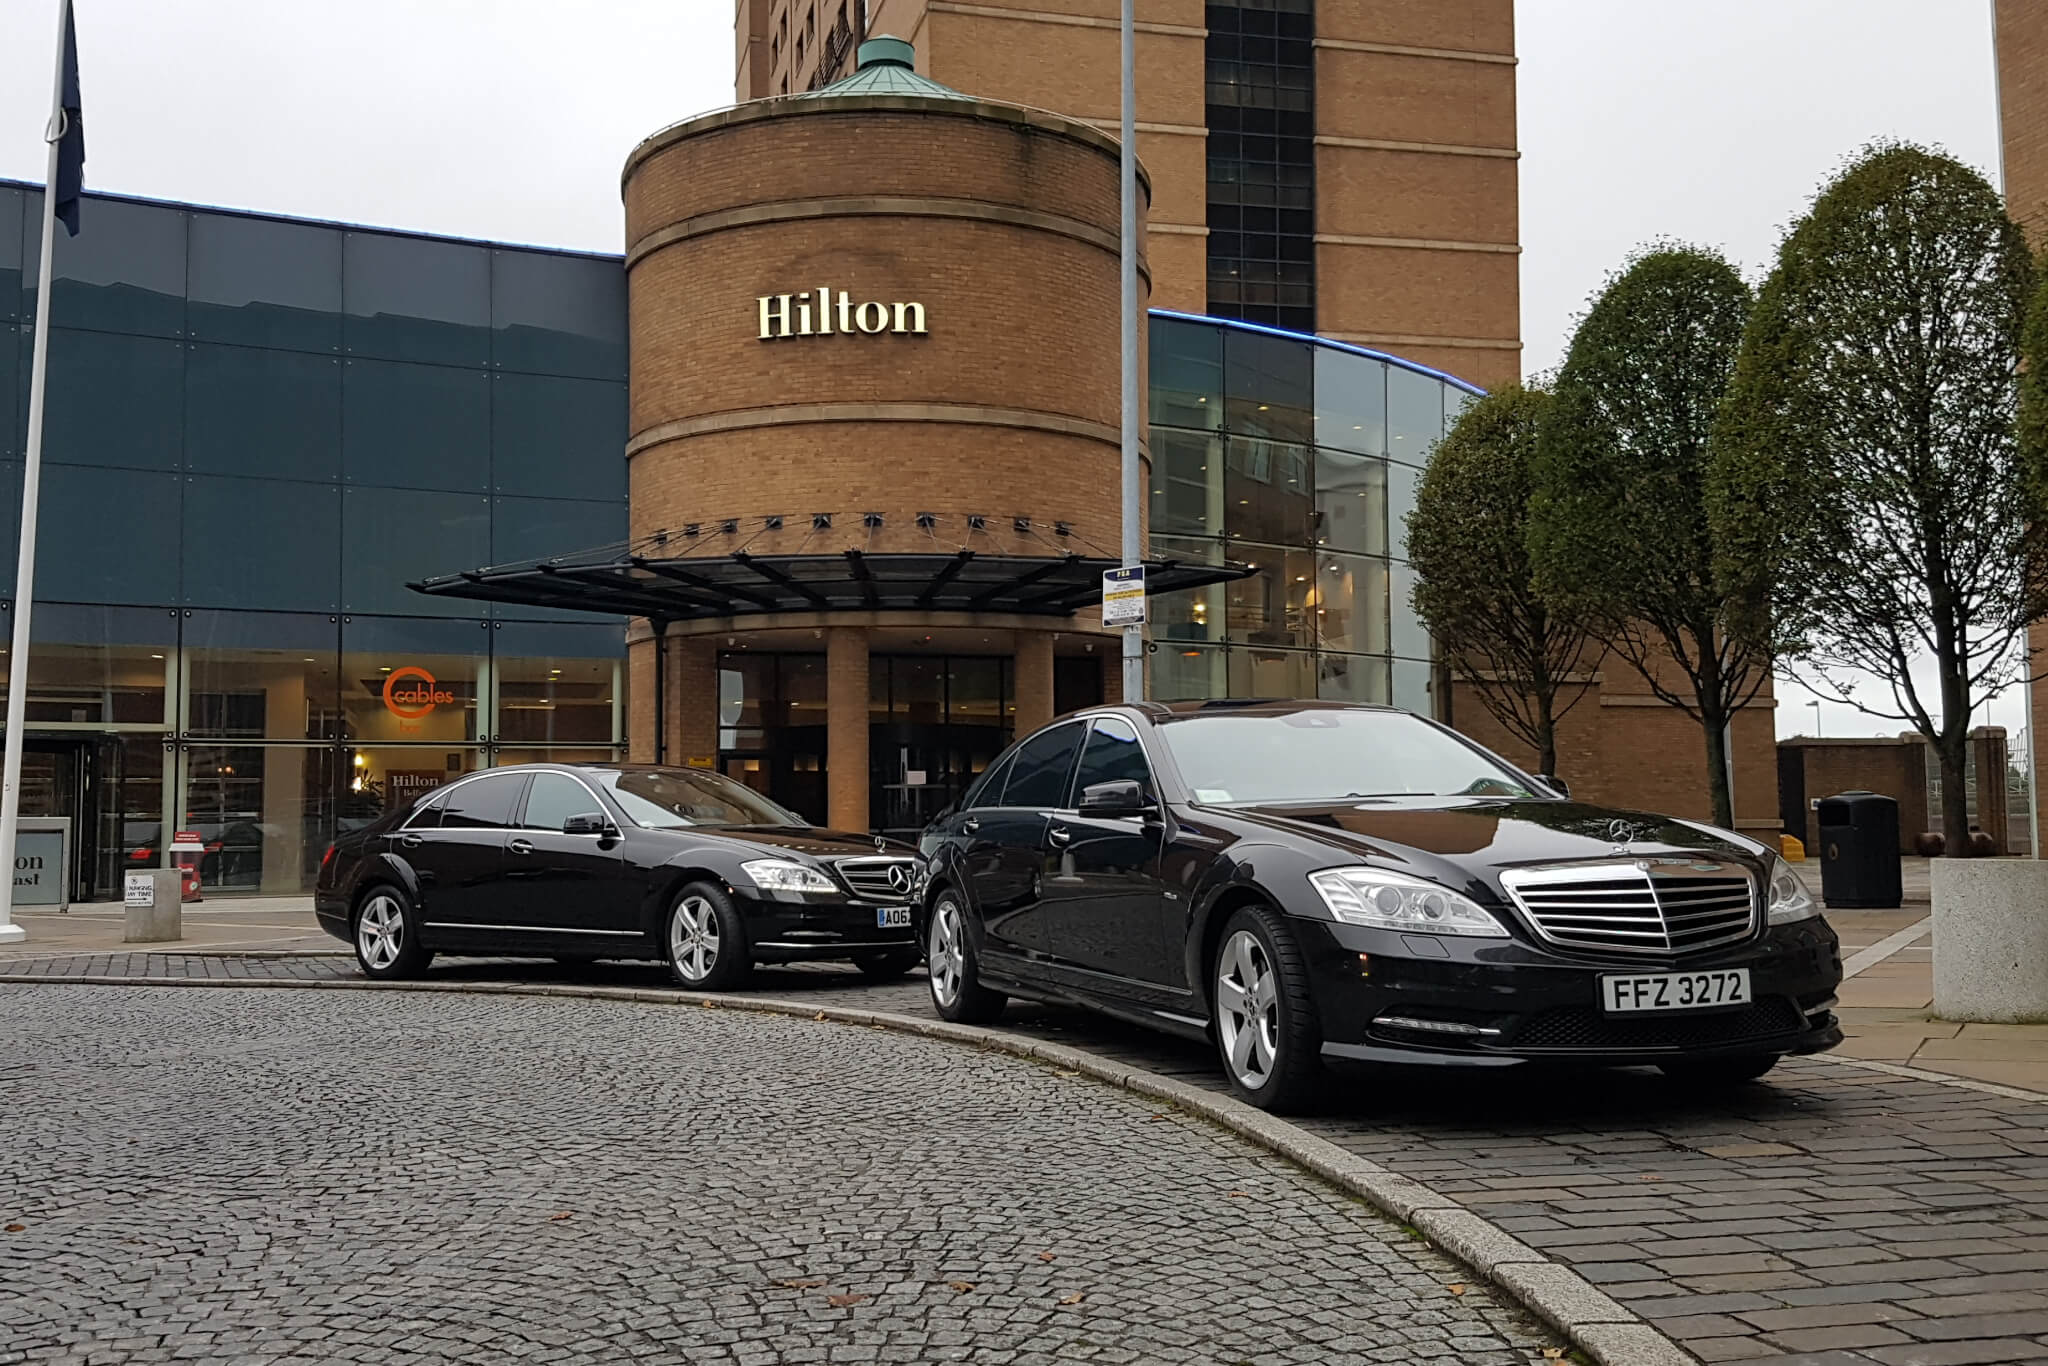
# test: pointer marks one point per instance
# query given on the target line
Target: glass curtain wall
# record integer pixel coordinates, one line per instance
(310, 415)
(1300, 458)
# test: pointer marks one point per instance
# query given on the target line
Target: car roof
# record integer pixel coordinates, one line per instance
(1161, 712)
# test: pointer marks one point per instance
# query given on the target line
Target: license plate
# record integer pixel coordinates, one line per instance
(1675, 991)
(892, 917)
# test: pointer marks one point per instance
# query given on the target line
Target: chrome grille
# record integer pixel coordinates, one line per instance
(1666, 906)
(893, 880)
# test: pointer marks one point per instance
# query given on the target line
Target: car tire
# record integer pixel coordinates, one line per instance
(885, 965)
(705, 941)
(1717, 1073)
(386, 933)
(1262, 1014)
(957, 992)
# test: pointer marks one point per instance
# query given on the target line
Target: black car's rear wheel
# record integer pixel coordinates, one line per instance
(885, 965)
(957, 992)
(387, 936)
(705, 941)
(1265, 1020)
(1718, 1072)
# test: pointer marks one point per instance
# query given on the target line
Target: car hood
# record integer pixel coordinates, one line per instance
(796, 839)
(1492, 833)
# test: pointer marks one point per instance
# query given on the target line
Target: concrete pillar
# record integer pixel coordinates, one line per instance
(846, 727)
(692, 719)
(1034, 681)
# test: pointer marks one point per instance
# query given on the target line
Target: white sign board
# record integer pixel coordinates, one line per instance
(42, 861)
(1123, 596)
(140, 890)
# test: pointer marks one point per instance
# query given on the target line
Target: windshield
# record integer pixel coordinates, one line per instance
(674, 799)
(1330, 756)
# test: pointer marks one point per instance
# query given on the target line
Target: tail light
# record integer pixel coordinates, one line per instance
(326, 859)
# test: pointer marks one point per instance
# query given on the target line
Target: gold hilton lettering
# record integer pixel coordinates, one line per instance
(821, 312)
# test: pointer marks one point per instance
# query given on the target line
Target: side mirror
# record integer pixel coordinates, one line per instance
(1117, 797)
(1555, 784)
(588, 823)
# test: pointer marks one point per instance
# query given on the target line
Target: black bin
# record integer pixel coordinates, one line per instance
(1859, 850)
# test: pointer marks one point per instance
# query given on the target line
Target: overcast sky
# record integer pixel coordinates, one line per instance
(509, 120)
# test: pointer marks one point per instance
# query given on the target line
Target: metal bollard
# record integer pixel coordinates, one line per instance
(155, 913)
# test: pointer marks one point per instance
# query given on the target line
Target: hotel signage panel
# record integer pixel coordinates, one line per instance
(822, 312)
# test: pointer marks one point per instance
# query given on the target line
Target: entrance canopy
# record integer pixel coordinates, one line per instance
(652, 581)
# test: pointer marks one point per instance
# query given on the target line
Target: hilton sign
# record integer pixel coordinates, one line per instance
(821, 312)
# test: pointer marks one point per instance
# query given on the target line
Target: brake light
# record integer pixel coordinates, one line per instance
(327, 858)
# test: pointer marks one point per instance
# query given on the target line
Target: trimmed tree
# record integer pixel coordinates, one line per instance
(1868, 474)
(1618, 532)
(1468, 539)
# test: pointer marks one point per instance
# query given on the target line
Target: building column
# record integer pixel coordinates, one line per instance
(846, 728)
(1112, 672)
(1033, 671)
(691, 723)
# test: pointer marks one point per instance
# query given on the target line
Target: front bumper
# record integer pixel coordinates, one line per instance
(785, 931)
(1499, 1002)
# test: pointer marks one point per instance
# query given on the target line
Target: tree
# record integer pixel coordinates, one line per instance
(1468, 539)
(1869, 474)
(1618, 531)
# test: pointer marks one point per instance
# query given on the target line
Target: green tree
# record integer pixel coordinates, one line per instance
(1868, 473)
(1468, 539)
(1618, 531)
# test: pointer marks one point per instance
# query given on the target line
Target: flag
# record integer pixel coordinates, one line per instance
(70, 133)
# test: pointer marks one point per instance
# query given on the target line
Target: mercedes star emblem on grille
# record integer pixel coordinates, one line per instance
(899, 877)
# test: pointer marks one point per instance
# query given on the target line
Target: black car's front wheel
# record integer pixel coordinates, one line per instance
(387, 936)
(1712, 1073)
(705, 941)
(957, 992)
(1265, 1020)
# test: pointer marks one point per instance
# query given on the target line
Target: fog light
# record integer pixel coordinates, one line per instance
(1434, 1026)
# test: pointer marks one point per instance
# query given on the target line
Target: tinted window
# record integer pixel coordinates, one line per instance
(1038, 775)
(988, 791)
(554, 798)
(427, 817)
(262, 283)
(677, 798)
(1112, 753)
(1330, 755)
(485, 804)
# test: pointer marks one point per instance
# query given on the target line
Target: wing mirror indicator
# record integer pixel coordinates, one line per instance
(588, 823)
(1117, 797)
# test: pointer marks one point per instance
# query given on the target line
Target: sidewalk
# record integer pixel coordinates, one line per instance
(222, 924)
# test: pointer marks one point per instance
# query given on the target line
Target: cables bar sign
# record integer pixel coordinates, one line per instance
(822, 312)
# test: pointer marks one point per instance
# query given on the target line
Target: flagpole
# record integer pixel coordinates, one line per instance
(31, 479)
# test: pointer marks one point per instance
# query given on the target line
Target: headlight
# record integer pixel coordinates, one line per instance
(1392, 901)
(781, 875)
(1789, 899)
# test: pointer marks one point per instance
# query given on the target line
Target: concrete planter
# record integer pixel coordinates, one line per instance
(1990, 939)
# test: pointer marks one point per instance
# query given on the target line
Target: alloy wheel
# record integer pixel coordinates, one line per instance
(1246, 1011)
(947, 957)
(693, 937)
(380, 931)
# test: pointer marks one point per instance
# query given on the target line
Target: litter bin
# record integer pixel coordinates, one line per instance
(1859, 850)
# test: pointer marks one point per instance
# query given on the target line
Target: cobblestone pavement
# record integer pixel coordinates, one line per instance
(1833, 1216)
(262, 1176)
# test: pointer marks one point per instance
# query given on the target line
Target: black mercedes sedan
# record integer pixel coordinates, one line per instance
(1311, 881)
(585, 861)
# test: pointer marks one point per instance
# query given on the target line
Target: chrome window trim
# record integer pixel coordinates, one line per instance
(572, 775)
(525, 929)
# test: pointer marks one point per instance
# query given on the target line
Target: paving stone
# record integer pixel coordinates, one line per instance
(1959, 1353)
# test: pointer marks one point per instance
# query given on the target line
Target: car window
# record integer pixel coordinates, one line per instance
(427, 816)
(482, 804)
(1330, 754)
(1112, 752)
(1038, 775)
(988, 789)
(677, 798)
(553, 798)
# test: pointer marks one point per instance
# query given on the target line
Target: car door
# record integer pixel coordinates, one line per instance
(1006, 855)
(461, 862)
(1099, 898)
(559, 883)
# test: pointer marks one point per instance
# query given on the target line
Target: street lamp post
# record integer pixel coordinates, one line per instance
(1815, 704)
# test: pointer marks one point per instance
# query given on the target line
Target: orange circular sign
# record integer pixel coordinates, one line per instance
(410, 693)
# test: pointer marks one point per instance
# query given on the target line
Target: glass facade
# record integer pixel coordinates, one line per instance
(257, 430)
(1299, 457)
(1260, 111)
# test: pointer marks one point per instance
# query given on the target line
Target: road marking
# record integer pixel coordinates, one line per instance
(1884, 948)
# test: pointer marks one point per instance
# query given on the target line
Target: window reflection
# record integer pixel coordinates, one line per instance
(1351, 401)
(264, 812)
(1266, 491)
(1351, 501)
(557, 685)
(261, 676)
(1187, 479)
(1268, 386)
(1272, 607)
(1352, 603)
(1186, 374)
(403, 684)
(1415, 414)
(98, 666)
(1353, 678)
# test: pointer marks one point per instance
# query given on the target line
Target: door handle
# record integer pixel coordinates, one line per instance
(1059, 835)
(412, 841)
(521, 846)
(970, 825)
